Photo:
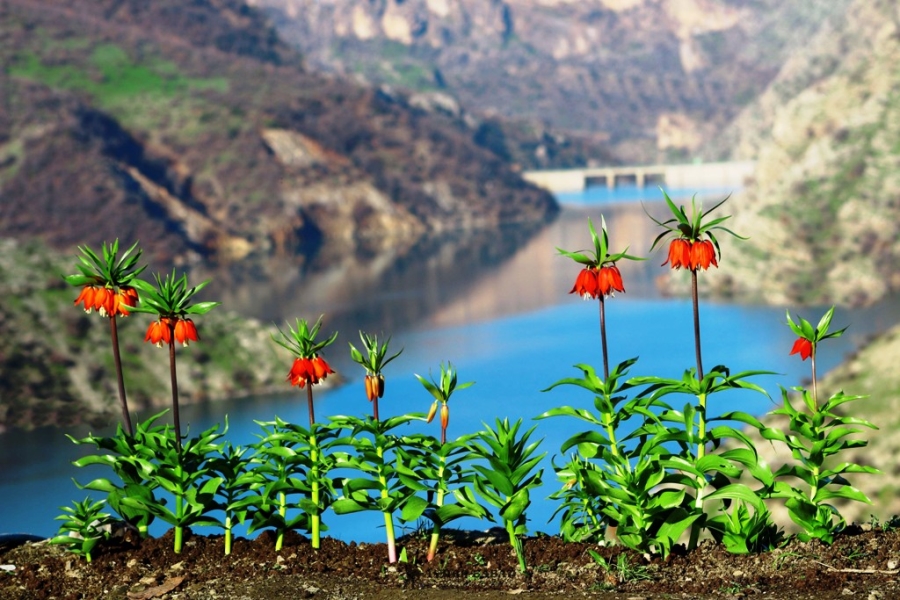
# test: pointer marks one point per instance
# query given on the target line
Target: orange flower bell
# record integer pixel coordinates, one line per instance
(609, 280)
(703, 254)
(586, 284)
(159, 333)
(185, 332)
(679, 254)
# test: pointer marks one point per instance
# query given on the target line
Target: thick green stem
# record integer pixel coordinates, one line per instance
(436, 528)
(388, 517)
(228, 535)
(282, 510)
(516, 543)
(315, 520)
(117, 359)
(701, 479)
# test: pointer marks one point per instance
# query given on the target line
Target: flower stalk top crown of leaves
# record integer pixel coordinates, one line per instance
(691, 227)
(301, 341)
(442, 390)
(375, 360)
(814, 335)
(111, 270)
(171, 298)
(600, 255)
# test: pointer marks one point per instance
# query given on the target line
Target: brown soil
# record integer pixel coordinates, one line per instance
(861, 564)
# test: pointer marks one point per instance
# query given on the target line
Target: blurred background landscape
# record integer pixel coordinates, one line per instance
(365, 159)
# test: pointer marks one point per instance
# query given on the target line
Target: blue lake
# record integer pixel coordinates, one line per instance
(511, 327)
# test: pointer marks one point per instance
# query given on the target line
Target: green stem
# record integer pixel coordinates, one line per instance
(388, 517)
(701, 479)
(436, 528)
(282, 510)
(314, 476)
(114, 333)
(228, 535)
(516, 543)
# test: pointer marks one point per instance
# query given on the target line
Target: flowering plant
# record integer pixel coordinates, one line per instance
(308, 367)
(375, 360)
(108, 286)
(171, 301)
(441, 390)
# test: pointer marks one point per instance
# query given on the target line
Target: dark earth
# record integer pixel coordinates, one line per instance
(861, 563)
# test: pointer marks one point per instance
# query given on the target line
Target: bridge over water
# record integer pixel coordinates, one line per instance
(712, 174)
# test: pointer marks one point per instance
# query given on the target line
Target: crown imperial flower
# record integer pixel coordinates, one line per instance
(803, 347)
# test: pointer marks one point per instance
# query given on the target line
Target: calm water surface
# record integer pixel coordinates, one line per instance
(506, 322)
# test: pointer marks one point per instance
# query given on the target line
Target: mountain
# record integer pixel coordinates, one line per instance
(190, 126)
(823, 211)
(654, 79)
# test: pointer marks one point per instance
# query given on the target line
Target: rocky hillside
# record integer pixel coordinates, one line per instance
(823, 212)
(56, 362)
(192, 128)
(653, 78)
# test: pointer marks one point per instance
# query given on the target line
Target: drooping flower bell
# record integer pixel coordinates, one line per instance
(679, 254)
(803, 347)
(159, 333)
(186, 331)
(586, 284)
(308, 370)
(609, 280)
(374, 387)
(703, 254)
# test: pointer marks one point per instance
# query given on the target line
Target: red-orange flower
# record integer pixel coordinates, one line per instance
(186, 331)
(374, 387)
(679, 254)
(703, 253)
(159, 333)
(609, 280)
(107, 301)
(311, 371)
(803, 347)
(586, 284)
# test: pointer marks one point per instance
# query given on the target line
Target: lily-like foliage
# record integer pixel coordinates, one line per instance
(375, 360)
(506, 476)
(689, 428)
(441, 390)
(377, 485)
(129, 457)
(183, 470)
(232, 466)
(84, 526)
(108, 286)
(289, 479)
(440, 471)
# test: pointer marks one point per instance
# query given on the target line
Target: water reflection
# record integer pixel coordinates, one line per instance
(497, 306)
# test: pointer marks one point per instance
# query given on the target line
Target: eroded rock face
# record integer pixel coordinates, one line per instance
(823, 212)
(609, 67)
(237, 151)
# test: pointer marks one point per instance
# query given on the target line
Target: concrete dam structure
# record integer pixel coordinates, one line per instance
(674, 176)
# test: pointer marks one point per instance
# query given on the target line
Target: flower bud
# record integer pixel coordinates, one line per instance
(432, 412)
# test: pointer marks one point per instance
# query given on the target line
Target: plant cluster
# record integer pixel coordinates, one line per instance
(654, 467)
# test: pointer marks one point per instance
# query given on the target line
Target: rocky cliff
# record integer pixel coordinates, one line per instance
(192, 128)
(653, 78)
(823, 211)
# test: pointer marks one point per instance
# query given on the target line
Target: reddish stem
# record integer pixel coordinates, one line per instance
(176, 416)
(114, 332)
(696, 301)
(603, 338)
(309, 400)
